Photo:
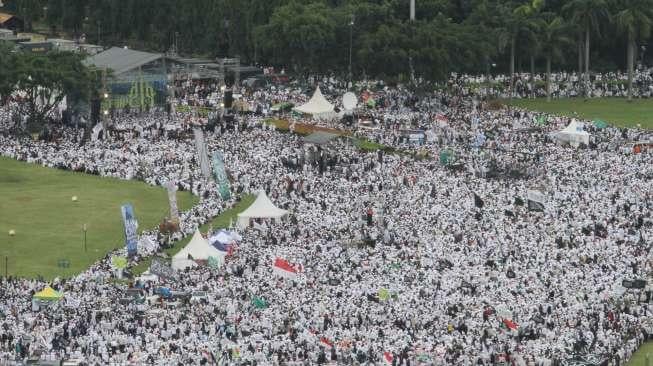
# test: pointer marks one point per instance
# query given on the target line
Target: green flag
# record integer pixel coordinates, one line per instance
(259, 302)
(214, 262)
(541, 120)
(384, 294)
(119, 262)
(600, 124)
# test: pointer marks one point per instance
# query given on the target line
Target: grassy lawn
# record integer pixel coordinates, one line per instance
(36, 203)
(615, 111)
(221, 221)
(639, 358)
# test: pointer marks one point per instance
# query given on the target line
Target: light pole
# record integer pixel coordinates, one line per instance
(351, 39)
(84, 230)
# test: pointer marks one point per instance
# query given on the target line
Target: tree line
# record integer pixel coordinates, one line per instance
(470, 36)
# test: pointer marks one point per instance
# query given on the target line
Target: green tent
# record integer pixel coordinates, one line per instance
(282, 107)
(259, 302)
(600, 124)
(214, 262)
(384, 294)
(446, 157)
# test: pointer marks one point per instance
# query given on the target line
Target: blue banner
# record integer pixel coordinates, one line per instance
(220, 175)
(131, 227)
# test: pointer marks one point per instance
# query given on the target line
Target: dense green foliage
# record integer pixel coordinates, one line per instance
(37, 205)
(448, 35)
(41, 81)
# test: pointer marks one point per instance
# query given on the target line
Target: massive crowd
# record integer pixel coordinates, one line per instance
(400, 263)
(563, 85)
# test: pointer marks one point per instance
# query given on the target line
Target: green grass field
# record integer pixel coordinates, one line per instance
(639, 358)
(615, 111)
(36, 203)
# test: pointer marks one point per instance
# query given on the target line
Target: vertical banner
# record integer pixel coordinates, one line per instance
(202, 153)
(131, 227)
(220, 175)
(172, 198)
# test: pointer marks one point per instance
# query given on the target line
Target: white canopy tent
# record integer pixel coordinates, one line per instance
(197, 248)
(574, 134)
(261, 208)
(317, 105)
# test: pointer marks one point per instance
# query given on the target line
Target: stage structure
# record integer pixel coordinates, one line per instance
(131, 79)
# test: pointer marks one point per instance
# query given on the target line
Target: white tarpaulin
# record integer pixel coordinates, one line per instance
(317, 105)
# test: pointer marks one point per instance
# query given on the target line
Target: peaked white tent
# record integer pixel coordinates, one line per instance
(261, 208)
(197, 248)
(574, 134)
(316, 105)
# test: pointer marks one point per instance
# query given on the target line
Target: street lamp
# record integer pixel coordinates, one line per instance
(84, 230)
(351, 38)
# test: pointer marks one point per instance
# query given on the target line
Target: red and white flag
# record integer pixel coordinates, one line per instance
(387, 358)
(325, 341)
(285, 269)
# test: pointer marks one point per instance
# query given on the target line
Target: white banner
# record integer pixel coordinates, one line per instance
(172, 199)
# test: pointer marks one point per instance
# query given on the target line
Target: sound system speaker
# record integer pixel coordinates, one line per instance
(228, 98)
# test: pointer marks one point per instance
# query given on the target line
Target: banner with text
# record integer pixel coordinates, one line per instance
(220, 175)
(131, 228)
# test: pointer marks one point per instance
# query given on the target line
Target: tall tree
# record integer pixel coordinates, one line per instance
(44, 80)
(589, 14)
(7, 71)
(553, 41)
(634, 19)
(520, 23)
(531, 13)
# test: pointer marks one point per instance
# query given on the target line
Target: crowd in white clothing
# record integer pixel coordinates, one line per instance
(400, 263)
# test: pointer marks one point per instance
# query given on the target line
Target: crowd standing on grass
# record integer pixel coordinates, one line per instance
(563, 85)
(404, 261)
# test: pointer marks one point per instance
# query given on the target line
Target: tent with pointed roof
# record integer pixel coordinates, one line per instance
(197, 249)
(574, 134)
(316, 105)
(48, 293)
(262, 208)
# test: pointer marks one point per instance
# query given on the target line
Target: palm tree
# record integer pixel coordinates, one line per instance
(634, 19)
(588, 14)
(553, 39)
(521, 22)
(531, 13)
